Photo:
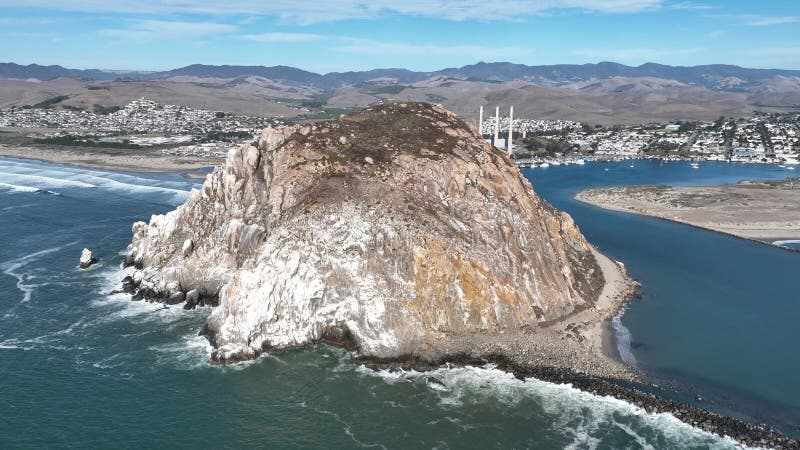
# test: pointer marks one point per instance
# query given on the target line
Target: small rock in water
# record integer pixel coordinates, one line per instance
(435, 383)
(86, 259)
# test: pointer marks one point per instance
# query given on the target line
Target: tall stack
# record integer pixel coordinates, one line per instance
(496, 125)
(480, 122)
(510, 130)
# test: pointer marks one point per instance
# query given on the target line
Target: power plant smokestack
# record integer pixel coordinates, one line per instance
(496, 126)
(510, 129)
(480, 122)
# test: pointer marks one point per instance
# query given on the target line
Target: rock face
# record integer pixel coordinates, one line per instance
(388, 231)
(86, 259)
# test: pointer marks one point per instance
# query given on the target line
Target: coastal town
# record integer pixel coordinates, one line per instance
(143, 123)
(183, 131)
(762, 138)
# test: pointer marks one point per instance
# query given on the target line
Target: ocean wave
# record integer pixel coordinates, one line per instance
(30, 181)
(45, 176)
(190, 353)
(12, 268)
(584, 417)
(15, 188)
(622, 337)
(119, 306)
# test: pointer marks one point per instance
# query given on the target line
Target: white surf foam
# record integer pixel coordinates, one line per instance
(16, 188)
(578, 413)
(190, 353)
(47, 176)
(12, 268)
(41, 181)
(623, 338)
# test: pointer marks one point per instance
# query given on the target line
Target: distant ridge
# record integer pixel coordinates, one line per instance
(715, 76)
(35, 71)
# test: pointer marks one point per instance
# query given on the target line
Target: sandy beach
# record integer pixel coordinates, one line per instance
(139, 160)
(759, 210)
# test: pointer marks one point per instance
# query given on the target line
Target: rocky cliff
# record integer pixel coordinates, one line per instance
(389, 231)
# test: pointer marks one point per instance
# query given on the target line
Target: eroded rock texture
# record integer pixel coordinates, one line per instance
(388, 231)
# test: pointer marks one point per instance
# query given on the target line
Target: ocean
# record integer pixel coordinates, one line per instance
(84, 368)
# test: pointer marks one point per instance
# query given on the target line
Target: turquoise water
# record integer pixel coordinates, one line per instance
(718, 314)
(81, 367)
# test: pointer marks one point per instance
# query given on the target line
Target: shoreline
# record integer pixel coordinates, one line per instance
(146, 161)
(699, 227)
(583, 342)
(615, 295)
(590, 197)
(742, 432)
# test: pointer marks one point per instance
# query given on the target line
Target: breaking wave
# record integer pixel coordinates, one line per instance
(583, 417)
(622, 337)
(32, 177)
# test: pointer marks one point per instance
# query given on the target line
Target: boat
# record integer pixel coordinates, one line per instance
(695, 165)
(544, 165)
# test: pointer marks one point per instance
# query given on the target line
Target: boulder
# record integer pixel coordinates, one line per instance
(86, 259)
(176, 298)
(188, 246)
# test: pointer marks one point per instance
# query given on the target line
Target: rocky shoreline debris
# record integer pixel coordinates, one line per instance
(748, 434)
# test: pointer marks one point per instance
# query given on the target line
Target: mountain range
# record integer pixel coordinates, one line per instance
(715, 76)
(604, 93)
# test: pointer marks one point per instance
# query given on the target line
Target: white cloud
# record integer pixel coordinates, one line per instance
(161, 29)
(691, 6)
(312, 11)
(760, 21)
(474, 52)
(634, 54)
(282, 37)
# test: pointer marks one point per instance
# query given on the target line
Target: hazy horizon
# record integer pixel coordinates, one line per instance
(418, 35)
(278, 64)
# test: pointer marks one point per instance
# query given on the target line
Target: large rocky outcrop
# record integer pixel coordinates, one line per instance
(388, 231)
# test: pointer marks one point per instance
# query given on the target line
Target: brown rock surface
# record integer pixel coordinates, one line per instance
(395, 230)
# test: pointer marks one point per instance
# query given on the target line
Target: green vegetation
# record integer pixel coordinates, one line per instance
(340, 158)
(392, 89)
(539, 146)
(434, 98)
(85, 141)
(314, 103)
(325, 114)
(687, 126)
(49, 103)
(226, 136)
(100, 109)
(662, 148)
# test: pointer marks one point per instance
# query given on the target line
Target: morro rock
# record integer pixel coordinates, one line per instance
(389, 231)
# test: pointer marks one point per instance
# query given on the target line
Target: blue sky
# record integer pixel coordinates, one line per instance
(341, 35)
